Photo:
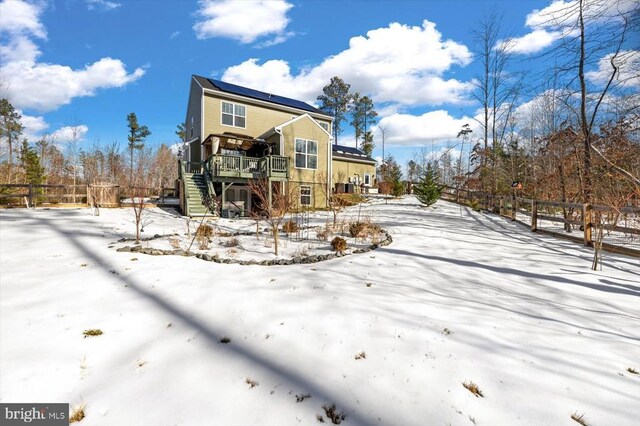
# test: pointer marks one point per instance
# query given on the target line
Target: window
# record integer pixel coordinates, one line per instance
(367, 179)
(192, 126)
(306, 154)
(234, 114)
(324, 125)
(305, 195)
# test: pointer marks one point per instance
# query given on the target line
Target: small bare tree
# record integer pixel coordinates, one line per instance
(274, 202)
(333, 201)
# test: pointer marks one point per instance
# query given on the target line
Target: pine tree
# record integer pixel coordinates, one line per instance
(428, 189)
(10, 129)
(368, 145)
(335, 101)
(30, 162)
(137, 135)
(392, 174)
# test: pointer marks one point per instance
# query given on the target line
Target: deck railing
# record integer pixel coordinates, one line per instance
(234, 166)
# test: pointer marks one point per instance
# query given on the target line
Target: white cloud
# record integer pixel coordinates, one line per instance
(174, 35)
(244, 21)
(44, 86)
(70, 133)
(433, 126)
(628, 62)
(20, 17)
(34, 126)
(398, 64)
(103, 5)
(560, 19)
(533, 42)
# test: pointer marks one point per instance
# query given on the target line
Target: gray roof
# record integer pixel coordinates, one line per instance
(350, 153)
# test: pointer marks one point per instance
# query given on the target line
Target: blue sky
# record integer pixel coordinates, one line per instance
(88, 63)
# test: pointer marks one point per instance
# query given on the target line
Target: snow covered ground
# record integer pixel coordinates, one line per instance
(457, 297)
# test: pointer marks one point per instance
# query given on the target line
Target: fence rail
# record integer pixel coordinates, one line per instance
(617, 228)
(17, 195)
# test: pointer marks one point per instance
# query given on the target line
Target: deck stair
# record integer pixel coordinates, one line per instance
(196, 187)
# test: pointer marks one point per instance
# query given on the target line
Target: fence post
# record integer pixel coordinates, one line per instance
(534, 215)
(31, 194)
(501, 206)
(586, 223)
(514, 207)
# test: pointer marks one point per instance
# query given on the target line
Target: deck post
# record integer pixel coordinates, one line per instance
(270, 184)
(586, 224)
(534, 215)
(514, 206)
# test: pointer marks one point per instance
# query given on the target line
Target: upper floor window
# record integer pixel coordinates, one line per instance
(306, 154)
(234, 114)
(324, 125)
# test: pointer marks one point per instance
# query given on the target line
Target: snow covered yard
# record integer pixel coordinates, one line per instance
(458, 297)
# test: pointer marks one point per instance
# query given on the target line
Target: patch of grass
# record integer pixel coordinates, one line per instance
(174, 242)
(92, 332)
(473, 388)
(361, 355)
(84, 265)
(133, 259)
(446, 331)
(302, 397)
(225, 340)
(333, 414)
(252, 383)
(319, 418)
(77, 414)
(632, 370)
(579, 418)
(368, 284)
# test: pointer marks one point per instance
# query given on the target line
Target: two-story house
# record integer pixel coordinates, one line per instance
(234, 134)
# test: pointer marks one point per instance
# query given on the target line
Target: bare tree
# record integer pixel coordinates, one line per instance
(274, 201)
(333, 200)
(594, 35)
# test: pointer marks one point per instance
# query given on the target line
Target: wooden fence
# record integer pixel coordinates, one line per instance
(619, 229)
(106, 195)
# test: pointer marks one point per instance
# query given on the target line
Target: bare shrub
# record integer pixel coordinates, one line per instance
(77, 414)
(333, 414)
(252, 383)
(339, 244)
(356, 228)
(361, 355)
(174, 242)
(302, 251)
(290, 227)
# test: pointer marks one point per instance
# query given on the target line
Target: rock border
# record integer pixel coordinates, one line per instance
(274, 262)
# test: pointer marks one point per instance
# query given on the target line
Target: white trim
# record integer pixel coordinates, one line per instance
(246, 109)
(273, 105)
(295, 153)
(201, 120)
(356, 160)
(310, 195)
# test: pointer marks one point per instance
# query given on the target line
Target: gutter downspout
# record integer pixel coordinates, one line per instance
(330, 166)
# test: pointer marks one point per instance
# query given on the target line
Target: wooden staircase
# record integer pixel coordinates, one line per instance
(196, 188)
